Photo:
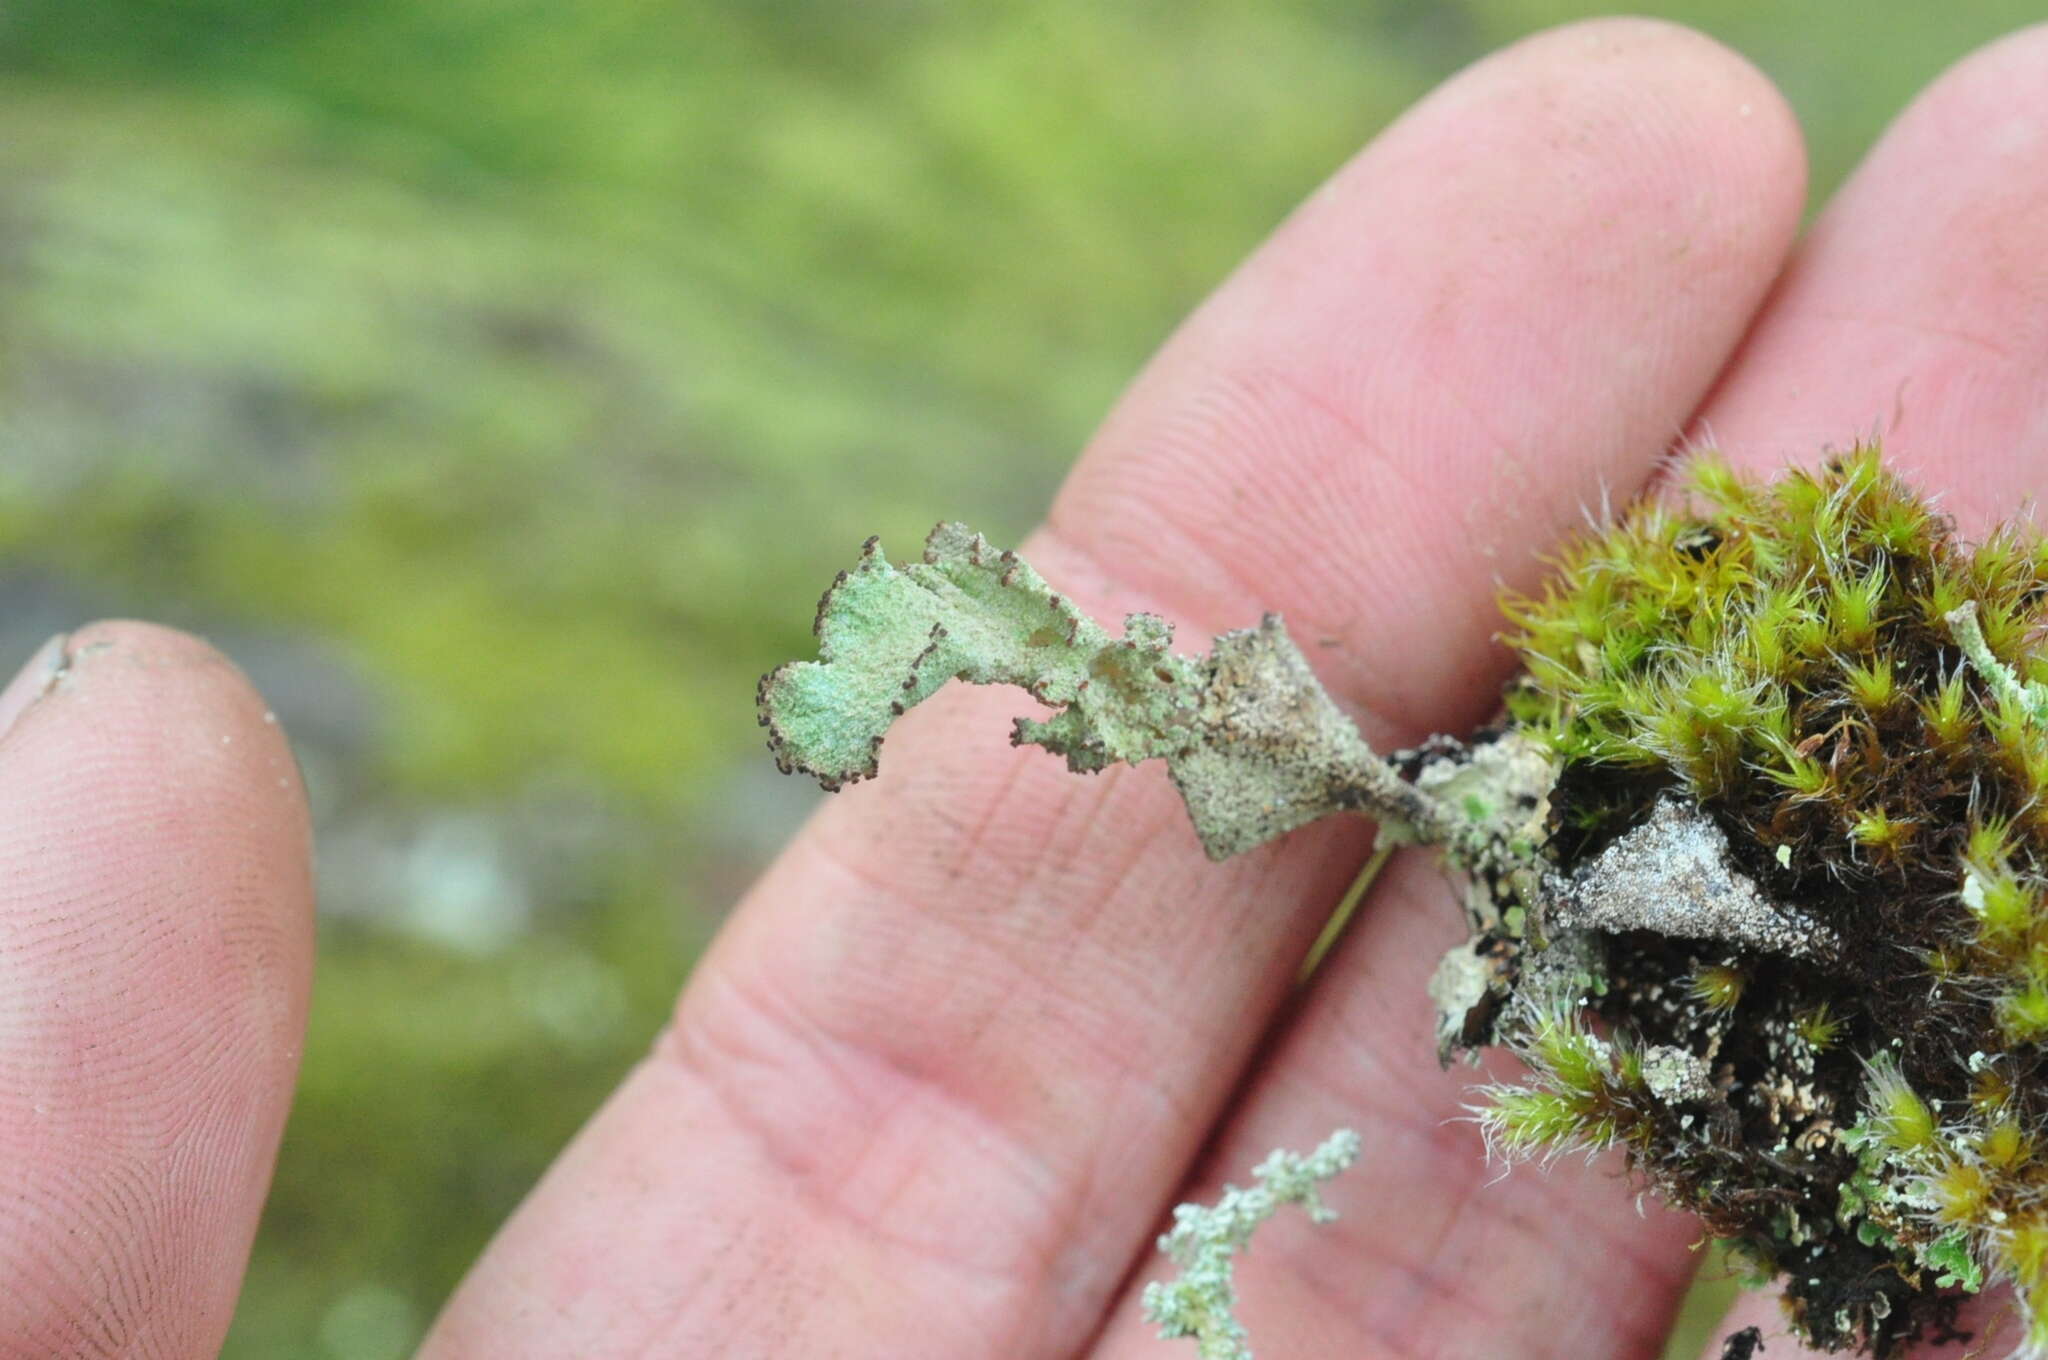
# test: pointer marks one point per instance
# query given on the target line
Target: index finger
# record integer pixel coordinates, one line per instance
(933, 1080)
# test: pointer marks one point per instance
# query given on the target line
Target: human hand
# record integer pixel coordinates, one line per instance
(933, 1089)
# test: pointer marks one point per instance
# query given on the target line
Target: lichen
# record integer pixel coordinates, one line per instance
(1675, 876)
(1756, 867)
(1201, 1305)
(1255, 745)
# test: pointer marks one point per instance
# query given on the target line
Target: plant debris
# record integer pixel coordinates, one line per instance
(1756, 866)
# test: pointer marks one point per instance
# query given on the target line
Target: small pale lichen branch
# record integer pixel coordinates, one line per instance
(1201, 1304)
(1254, 744)
(2025, 698)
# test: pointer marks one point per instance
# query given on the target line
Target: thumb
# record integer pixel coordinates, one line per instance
(155, 951)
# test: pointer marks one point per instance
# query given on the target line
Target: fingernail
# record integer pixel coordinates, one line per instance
(32, 681)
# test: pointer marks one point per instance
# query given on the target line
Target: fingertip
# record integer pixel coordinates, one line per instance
(1517, 293)
(157, 691)
(1703, 109)
(1917, 309)
(2001, 81)
(155, 957)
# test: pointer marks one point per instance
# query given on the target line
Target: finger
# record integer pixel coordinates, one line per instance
(155, 948)
(1927, 324)
(932, 1080)
(1804, 378)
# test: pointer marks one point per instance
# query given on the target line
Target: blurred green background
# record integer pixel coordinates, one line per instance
(499, 381)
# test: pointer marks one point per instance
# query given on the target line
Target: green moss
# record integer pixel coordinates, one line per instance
(1848, 691)
(1590, 1094)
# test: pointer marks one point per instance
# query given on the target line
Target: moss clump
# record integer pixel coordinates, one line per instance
(1757, 864)
(1795, 663)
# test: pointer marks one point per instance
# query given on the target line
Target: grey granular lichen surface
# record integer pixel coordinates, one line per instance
(1275, 752)
(1673, 875)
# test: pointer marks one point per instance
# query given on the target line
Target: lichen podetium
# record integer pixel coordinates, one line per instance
(1755, 864)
